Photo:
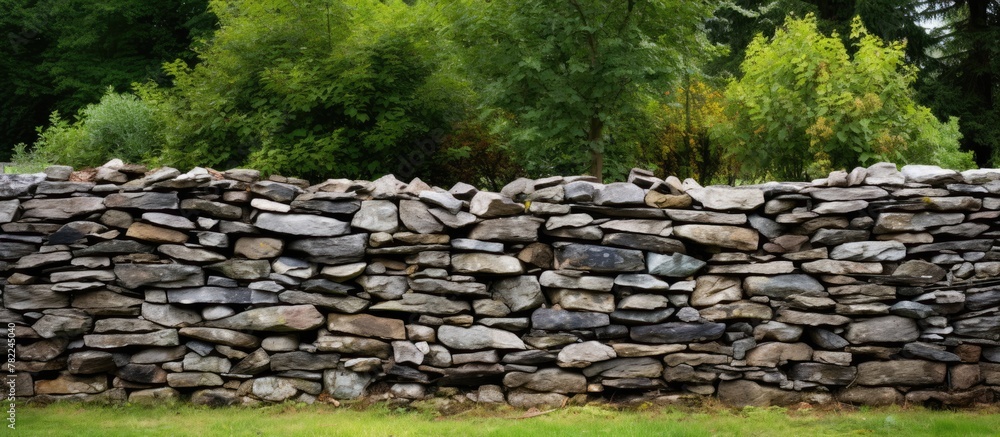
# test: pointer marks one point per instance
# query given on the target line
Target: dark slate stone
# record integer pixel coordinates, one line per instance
(598, 258)
(529, 357)
(651, 243)
(114, 247)
(826, 339)
(320, 285)
(979, 327)
(335, 250)
(639, 317)
(276, 191)
(832, 237)
(561, 320)
(676, 332)
(827, 374)
(15, 251)
(300, 360)
(142, 373)
(326, 206)
(967, 245)
(404, 373)
(143, 201)
(929, 352)
(982, 300)
(611, 332)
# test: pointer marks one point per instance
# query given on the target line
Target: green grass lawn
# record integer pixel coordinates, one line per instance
(323, 420)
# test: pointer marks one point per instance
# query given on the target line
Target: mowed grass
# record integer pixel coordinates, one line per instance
(79, 420)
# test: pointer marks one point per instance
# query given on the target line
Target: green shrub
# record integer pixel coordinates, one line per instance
(119, 126)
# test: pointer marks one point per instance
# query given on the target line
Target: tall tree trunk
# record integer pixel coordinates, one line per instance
(594, 135)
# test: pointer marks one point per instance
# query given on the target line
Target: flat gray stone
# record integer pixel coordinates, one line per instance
(728, 198)
(478, 338)
(302, 224)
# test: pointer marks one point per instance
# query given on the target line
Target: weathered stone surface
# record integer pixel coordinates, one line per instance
(63, 323)
(890, 222)
(166, 337)
(222, 336)
(587, 257)
(565, 279)
(486, 263)
(883, 329)
(675, 332)
(300, 360)
(90, 362)
(584, 354)
(142, 201)
(520, 229)
(347, 344)
(676, 265)
(869, 251)
(385, 287)
(193, 379)
(423, 304)
(279, 319)
(710, 290)
(649, 243)
(258, 247)
(979, 327)
(764, 268)
(302, 224)
(619, 194)
(731, 237)
(743, 393)
(826, 374)
(777, 353)
(782, 286)
(344, 304)
(548, 380)
(853, 193)
(525, 399)
(477, 338)
(838, 267)
(873, 396)
(184, 253)
(367, 325)
(904, 373)
(561, 320)
(68, 384)
(336, 250)
(488, 205)
(726, 198)
(417, 217)
(811, 319)
(33, 297)
(737, 310)
(58, 209)
(133, 276)
(519, 293)
(377, 216)
(221, 295)
(169, 315)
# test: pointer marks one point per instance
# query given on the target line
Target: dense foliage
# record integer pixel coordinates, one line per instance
(804, 106)
(485, 91)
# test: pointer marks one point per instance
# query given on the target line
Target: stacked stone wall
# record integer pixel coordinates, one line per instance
(874, 286)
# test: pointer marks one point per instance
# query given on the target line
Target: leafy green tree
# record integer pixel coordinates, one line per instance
(804, 106)
(310, 88)
(561, 76)
(60, 55)
(963, 76)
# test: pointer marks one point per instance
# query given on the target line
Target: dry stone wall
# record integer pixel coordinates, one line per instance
(875, 286)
